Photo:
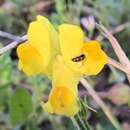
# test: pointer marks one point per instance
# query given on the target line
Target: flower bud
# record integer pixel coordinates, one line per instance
(88, 23)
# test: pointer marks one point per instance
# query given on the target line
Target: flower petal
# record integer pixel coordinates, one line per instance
(95, 58)
(43, 37)
(63, 75)
(31, 62)
(82, 58)
(71, 40)
(62, 101)
(39, 38)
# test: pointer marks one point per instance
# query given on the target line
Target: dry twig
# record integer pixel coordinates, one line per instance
(117, 48)
(115, 30)
(8, 36)
(13, 44)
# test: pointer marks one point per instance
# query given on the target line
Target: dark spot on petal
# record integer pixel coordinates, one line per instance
(79, 58)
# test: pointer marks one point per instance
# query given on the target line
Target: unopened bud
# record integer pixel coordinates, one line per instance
(88, 22)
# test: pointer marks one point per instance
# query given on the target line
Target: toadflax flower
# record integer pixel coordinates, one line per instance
(35, 55)
(85, 58)
(65, 57)
(63, 98)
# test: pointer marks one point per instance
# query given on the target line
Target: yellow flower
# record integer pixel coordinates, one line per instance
(63, 98)
(82, 57)
(35, 56)
(30, 59)
(62, 101)
(63, 56)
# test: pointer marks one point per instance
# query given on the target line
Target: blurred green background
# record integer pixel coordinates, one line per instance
(20, 95)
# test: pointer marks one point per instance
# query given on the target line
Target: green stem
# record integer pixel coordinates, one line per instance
(75, 123)
(84, 123)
